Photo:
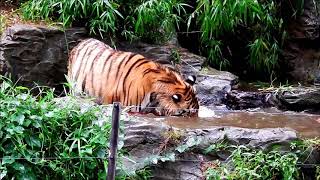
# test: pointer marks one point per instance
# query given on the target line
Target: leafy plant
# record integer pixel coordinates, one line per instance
(40, 139)
(218, 19)
(246, 163)
(99, 16)
(2, 23)
(175, 56)
(157, 20)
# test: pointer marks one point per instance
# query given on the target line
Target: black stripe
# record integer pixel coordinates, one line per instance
(187, 91)
(150, 70)
(130, 69)
(125, 59)
(104, 66)
(77, 73)
(137, 99)
(167, 81)
(84, 84)
(127, 94)
(92, 64)
(85, 44)
(111, 57)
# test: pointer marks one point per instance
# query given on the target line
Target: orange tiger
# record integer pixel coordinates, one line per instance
(131, 79)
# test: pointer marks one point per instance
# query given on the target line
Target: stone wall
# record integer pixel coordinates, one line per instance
(37, 55)
(302, 51)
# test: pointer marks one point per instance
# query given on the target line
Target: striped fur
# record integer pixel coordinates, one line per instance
(129, 78)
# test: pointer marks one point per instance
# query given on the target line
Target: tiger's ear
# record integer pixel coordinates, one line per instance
(191, 79)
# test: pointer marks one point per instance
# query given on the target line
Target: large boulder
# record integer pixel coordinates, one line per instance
(37, 54)
(299, 99)
(301, 56)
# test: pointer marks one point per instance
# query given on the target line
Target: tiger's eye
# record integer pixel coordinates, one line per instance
(176, 97)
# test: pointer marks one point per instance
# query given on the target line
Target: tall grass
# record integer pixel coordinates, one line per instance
(2, 24)
(218, 18)
(158, 18)
(99, 15)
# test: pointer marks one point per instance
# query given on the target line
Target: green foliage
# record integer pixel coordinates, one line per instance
(143, 174)
(2, 23)
(100, 16)
(217, 19)
(158, 19)
(246, 163)
(41, 140)
(175, 56)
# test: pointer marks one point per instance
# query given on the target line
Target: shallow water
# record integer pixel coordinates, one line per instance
(306, 125)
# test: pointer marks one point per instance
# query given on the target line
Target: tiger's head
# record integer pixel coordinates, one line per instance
(171, 95)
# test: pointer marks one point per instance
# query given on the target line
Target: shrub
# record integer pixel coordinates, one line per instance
(157, 20)
(40, 140)
(218, 19)
(276, 162)
(99, 16)
(2, 23)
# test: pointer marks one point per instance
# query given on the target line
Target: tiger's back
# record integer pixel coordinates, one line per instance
(129, 78)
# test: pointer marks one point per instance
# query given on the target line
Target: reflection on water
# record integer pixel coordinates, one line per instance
(305, 125)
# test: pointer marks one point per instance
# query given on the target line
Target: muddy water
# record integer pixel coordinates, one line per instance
(305, 125)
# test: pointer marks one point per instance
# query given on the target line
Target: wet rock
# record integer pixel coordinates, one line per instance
(240, 100)
(213, 86)
(37, 54)
(299, 99)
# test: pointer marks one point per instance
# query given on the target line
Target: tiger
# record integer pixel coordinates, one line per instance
(131, 79)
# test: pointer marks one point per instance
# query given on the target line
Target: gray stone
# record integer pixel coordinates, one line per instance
(301, 56)
(244, 100)
(36, 54)
(213, 86)
(299, 99)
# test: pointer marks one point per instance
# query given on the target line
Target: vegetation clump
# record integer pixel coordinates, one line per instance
(248, 163)
(40, 139)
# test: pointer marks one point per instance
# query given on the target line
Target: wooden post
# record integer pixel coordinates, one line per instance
(113, 141)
